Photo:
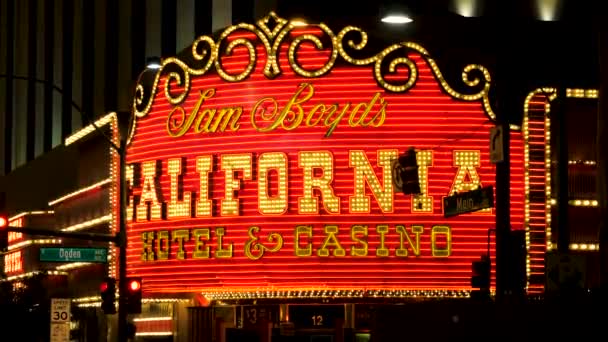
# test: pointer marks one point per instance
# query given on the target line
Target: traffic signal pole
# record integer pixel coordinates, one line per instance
(503, 172)
(122, 242)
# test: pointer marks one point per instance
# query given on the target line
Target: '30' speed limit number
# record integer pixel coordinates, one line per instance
(60, 310)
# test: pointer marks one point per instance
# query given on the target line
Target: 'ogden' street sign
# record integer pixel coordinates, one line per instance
(466, 202)
(68, 254)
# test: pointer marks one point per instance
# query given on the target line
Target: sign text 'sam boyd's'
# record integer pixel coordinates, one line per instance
(267, 167)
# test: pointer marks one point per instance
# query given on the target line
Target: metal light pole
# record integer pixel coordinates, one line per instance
(125, 124)
(122, 240)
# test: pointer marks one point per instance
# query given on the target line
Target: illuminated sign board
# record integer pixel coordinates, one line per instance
(260, 165)
(13, 262)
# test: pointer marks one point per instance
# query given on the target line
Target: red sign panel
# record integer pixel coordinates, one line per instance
(284, 183)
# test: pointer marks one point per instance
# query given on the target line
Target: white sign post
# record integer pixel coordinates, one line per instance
(497, 152)
(60, 319)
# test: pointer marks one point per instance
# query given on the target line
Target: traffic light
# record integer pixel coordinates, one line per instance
(133, 295)
(108, 296)
(409, 172)
(3, 223)
(481, 273)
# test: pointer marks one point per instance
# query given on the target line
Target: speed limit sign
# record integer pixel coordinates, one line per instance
(60, 310)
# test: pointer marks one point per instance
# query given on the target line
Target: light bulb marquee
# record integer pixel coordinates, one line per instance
(261, 163)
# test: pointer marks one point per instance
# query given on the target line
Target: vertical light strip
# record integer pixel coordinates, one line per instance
(113, 195)
(550, 94)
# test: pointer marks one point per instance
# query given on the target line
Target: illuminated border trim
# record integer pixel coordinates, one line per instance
(104, 120)
(550, 94)
(25, 213)
(322, 293)
(80, 191)
(584, 162)
(72, 265)
(110, 118)
(26, 243)
(153, 319)
(87, 224)
(154, 333)
(31, 274)
(583, 202)
(205, 54)
(95, 301)
(590, 247)
(582, 93)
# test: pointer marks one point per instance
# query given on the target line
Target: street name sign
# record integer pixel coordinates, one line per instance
(466, 202)
(74, 254)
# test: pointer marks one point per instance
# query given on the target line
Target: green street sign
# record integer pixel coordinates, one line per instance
(74, 254)
(466, 202)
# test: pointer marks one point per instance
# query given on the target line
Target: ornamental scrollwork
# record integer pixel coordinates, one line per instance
(254, 250)
(271, 32)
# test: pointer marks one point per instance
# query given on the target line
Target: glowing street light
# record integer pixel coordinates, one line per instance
(396, 19)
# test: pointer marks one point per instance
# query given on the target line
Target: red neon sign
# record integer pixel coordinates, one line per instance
(285, 184)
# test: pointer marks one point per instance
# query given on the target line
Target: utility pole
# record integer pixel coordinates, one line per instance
(122, 241)
(503, 169)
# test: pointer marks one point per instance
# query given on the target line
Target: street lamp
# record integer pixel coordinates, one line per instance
(125, 124)
(395, 14)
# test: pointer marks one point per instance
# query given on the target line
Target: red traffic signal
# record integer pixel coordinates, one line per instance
(108, 295)
(134, 285)
(133, 295)
(3, 232)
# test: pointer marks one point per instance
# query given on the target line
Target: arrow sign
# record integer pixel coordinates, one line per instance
(496, 146)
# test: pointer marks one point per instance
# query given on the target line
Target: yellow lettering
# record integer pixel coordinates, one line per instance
(331, 240)
(221, 251)
(180, 235)
(446, 250)
(321, 108)
(423, 203)
(355, 231)
(203, 203)
(276, 204)
(162, 254)
(333, 123)
(230, 115)
(379, 118)
(177, 126)
(307, 204)
(414, 245)
(209, 93)
(382, 251)
(230, 163)
(129, 175)
(177, 208)
(467, 163)
(201, 250)
(305, 231)
(360, 203)
(203, 127)
(149, 194)
(147, 239)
